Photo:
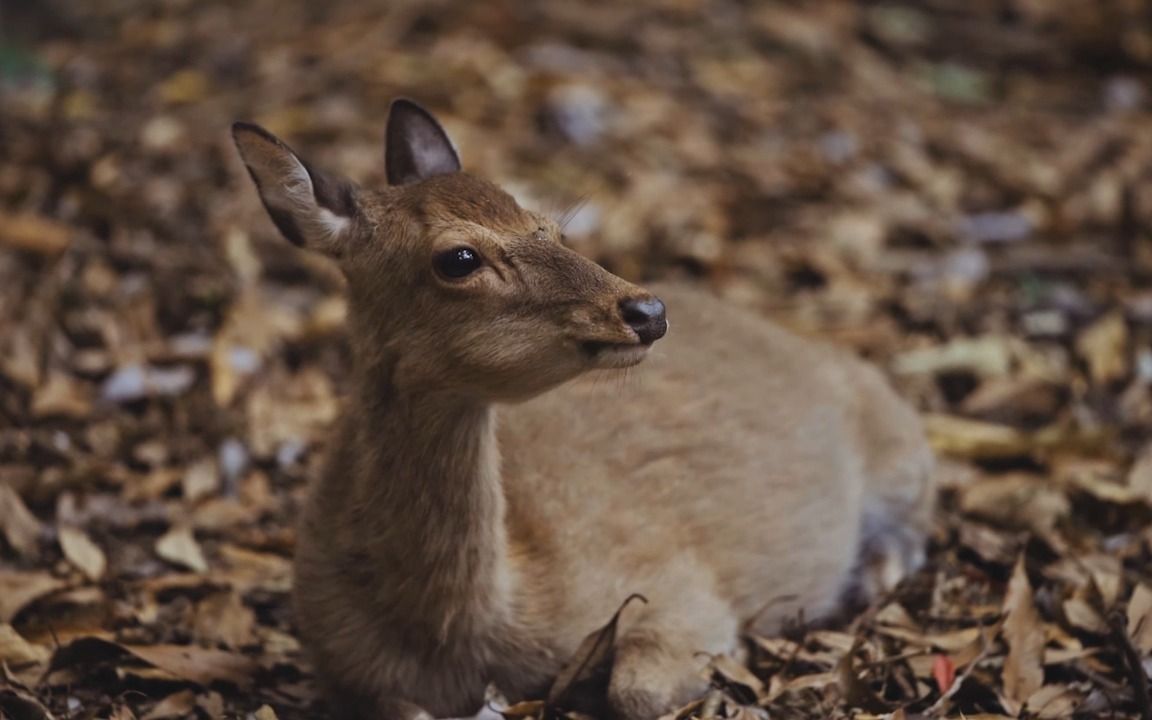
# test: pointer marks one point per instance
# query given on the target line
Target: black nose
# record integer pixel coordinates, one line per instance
(646, 316)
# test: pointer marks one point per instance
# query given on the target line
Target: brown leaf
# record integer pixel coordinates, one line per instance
(178, 546)
(34, 233)
(223, 619)
(1104, 346)
(15, 650)
(1019, 501)
(1140, 619)
(62, 395)
(1082, 615)
(200, 480)
(176, 705)
(19, 589)
(975, 440)
(248, 569)
(19, 526)
(1024, 634)
(196, 664)
(82, 552)
(1140, 476)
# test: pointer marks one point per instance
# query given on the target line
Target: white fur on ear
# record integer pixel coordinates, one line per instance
(311, 209)
(301, 194)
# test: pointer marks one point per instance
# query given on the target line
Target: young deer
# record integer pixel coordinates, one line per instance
(741, 476)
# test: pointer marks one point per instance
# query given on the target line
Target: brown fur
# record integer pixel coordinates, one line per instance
(738, 476)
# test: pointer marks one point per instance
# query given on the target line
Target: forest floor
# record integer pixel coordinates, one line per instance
(960, 191)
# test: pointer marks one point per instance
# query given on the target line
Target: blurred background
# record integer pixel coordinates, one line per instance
(960, 190)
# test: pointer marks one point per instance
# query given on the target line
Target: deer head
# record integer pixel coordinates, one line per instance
(452, 285)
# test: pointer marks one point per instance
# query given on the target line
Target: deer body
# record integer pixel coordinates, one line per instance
(480, 515)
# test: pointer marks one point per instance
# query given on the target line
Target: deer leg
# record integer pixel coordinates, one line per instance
(899, 493)
(660, 661)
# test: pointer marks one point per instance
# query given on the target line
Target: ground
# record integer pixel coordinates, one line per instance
(960, 191)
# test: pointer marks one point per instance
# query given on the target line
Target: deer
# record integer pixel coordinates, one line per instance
(488, 501)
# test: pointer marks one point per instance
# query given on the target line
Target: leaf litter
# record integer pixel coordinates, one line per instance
(959, 191)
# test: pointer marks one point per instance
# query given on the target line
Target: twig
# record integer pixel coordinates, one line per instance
(1119, 626)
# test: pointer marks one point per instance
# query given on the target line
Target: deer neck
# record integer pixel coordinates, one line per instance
(427, 490)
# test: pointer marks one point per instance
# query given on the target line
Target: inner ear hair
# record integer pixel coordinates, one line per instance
(416, 147)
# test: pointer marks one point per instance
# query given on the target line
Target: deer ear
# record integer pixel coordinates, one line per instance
(415, 146)
(311, 209)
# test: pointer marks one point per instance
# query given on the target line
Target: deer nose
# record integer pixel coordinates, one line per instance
(646, 316)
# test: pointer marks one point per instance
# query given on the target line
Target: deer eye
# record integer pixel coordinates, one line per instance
(458, 262)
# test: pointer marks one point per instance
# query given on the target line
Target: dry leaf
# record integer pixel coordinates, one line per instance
(1140, 619)
(178, 546)
(1082, 615)
(64, 396)
(222, 618)
(176, 705)
(15, 650)
(1140, 476)
(263, 713)
(1024, 634)
(1053, 702)
(200, 480)
(19, 526)
(1104, 346)
(34, 233)
(196, 664)
(82, 552)
(18, 589)
(989, 356)
(975, 440)
(1018, 501)
(248, 569)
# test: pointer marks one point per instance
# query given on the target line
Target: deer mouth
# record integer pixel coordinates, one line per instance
(609, 355)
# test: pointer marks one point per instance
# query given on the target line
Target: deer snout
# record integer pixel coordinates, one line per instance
(647, 316)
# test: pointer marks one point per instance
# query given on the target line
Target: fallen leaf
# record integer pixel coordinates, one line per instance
(1140, 619)
(737, 674)
(62, 395)
(1103, 345)
(989, 356)
(196, 664)
(1019, 501)
(248, 569)
(973, 439)
(175, 705)
(34, 233)
(1024, 634)
(1053, 702)
(15, 650)
(82, 552)
(943, 672)
(1082, 615)
(19, 589)
(178, 546)
(200, 480)
(264, 713)
(19, 526)
(1140, 476)
(222, 618)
